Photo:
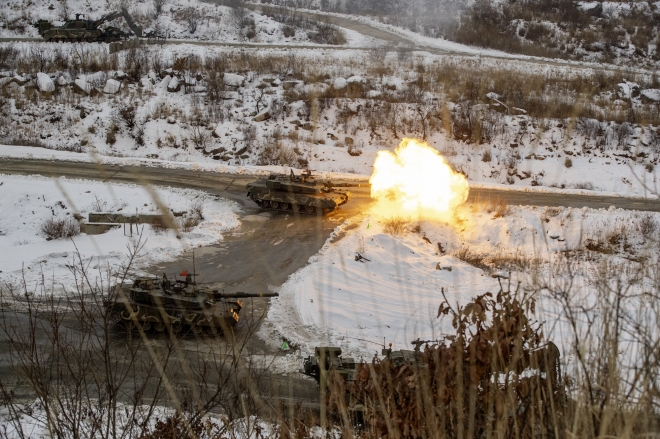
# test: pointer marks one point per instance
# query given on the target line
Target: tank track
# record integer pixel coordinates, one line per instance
(266, 205)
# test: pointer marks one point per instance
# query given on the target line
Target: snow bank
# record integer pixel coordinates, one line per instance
(26, 202)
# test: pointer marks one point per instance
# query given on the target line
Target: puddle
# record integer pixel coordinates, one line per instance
(255, 218)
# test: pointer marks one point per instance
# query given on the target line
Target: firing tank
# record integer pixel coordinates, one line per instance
(80, 29)
(179, 306)
(298, 193)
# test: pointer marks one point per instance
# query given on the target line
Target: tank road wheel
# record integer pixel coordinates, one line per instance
(146, 326)
(310, 209)
(115, 317)
(196, 329)
(129, 325)
(211, 330)
(274, 204)
(159, 326)
(295, 207)
(284, 206)
(176, 327)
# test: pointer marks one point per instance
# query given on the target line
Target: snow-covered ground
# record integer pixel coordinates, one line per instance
(27, 202)
(393, 294)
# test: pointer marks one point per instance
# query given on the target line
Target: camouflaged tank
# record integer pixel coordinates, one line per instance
(179, 306)
(79, 30)
(298, 193)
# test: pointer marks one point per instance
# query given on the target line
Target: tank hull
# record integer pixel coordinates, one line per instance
(296, 193)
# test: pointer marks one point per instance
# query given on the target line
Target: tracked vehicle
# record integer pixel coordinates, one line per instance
(298, 193)
(80, 29)
(180, 306)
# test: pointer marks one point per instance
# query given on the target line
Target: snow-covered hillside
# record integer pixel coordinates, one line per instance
(369, 285)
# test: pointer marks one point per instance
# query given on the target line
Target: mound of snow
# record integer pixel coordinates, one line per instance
(44, 83)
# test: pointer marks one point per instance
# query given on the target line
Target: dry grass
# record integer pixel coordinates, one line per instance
(497, 206)
(55, 228)
(395, 225)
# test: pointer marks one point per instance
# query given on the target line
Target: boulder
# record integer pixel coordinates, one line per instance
(493, 96)
(349, 141)
(171, 120)
(276, 83)
(650, 96)
(165, 82)
(373, 93)
(233, 80)
(356, 79)
(81, 86)
(339, 84)
(165, 73)
(174, 85)
(20, 80)
(287, 85)
(44, 83)
(63, 80)
(333, 137)
(112, 86)
(264, 115)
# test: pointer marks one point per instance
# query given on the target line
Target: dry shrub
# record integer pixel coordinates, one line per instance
(197, 210)
(54, 228)
(395, 225)
(472, 257)
(472, 383)
(498, 207)
(186, 224)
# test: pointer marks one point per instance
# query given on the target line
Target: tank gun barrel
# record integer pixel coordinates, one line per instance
(331, 184)
(242, 295)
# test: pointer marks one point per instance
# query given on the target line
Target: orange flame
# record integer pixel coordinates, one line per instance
(416, 179)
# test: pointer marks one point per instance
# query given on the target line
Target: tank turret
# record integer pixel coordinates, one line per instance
(179, 305)
(302, 193)
(82, 29)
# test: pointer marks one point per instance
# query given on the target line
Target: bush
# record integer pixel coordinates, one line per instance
(55, 228)
(395, 225)
(466, 254)
(197, 210)
(568, 162)
(288, 31)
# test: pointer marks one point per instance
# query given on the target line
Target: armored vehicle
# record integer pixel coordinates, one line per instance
(88, 30)
(181, 305)
(298, 193)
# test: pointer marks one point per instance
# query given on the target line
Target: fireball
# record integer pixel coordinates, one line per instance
(416, 179)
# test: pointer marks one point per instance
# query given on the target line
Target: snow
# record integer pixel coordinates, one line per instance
(234, 80)
(392, 295)
(339, 83)
(44, 83)
(652, 94)
(112, 86)
(29, 201)
(83, 86)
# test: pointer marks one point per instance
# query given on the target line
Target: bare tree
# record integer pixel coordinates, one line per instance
(63, 7)
(192, 18)
(158, 7)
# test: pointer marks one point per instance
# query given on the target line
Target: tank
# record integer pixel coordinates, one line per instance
(180, 306)
(302, 193)
(80, 29)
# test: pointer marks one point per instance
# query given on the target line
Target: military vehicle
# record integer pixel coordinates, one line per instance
(298, 193)
(79, 30)
(182, 305)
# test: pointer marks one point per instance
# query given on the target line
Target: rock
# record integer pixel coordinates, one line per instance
(349, 141)
(264, 115)
(20, 80)
(267, 80)
(440, 266)
(165, 73)
(650, 96)
(64, 79)
(112, 86)
(513, 145)
(44, 83)
(81, 86)
(233, 80)
(493, 96)
(171, 120)
(307, 126)
(518, 111)
(276, 83)
(174, 85)
(165, 82)
(333, 137)
(339, 84)
(121, 75)
(356, 79)
(287, 85)
(373, 93)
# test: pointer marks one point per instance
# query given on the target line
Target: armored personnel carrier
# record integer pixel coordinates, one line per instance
(161, 304)
(79, 30)
(298, 193)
